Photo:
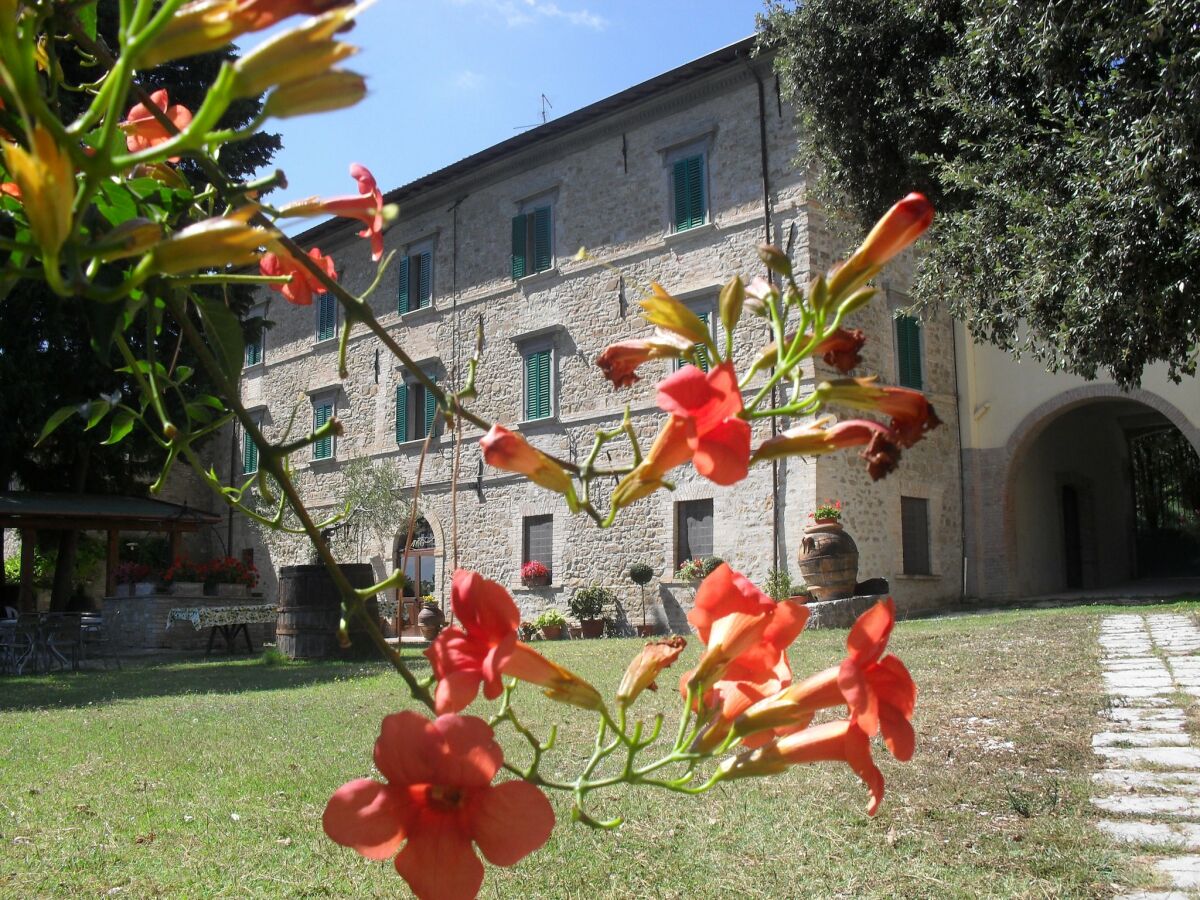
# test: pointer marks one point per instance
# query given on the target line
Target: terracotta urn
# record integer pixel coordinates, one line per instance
(828, 561)
(430, 620)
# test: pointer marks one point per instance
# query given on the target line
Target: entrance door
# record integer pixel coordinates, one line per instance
(419, 567)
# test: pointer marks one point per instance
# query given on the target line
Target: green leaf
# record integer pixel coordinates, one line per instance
(59, 416)
(224, 332)
(87, 18)
(115, 203)
(182, 374)
(97, 410)
(122, 424)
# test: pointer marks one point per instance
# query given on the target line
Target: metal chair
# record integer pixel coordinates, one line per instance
(63, 639)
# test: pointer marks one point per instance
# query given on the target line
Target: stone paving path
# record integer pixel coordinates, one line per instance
(1150, 784)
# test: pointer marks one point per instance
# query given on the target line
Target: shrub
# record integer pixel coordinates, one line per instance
(779, 584)
(228, 571)
(183, 570)
(549, 618)
(709, 565)
(589, 602)
(640, 573)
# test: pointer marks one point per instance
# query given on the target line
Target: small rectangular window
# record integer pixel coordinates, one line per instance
(693, 530)
(537, 384)
(688, 190)
(326, 317)
(532, 241)
(416, 281)
(249, 454)
(914, 532)
(322, 413)
(538, 541)
(416, 408)
(254, 345)
(908, 352)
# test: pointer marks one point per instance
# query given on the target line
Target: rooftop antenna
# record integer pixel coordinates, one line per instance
(546, 104)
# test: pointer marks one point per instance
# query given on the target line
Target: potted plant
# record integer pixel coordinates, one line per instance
(552, 623)
(185, 577)
(641, 573)
(230, 578)
(527, 630)
(828, 555)
(431, 618)
(535, 574)
(587, 605)
(827, 513)
(134, 580)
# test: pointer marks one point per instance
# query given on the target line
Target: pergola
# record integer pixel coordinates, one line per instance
(30, 513)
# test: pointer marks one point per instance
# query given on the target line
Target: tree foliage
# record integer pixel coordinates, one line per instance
(1059, 142)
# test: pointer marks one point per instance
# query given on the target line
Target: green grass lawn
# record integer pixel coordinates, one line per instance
(209, 779)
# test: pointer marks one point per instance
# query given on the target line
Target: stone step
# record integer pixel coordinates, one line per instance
(1140, 739)
(1176, 834)
(1135, 805)
(1143, 783)
(1172, 757)
(1184, 871)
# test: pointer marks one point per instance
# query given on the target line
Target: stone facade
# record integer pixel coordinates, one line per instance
(608, 180)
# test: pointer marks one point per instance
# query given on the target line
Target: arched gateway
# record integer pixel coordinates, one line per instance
(421, 567)
(1094, 489)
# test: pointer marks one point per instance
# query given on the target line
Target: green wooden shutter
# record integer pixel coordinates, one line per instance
(430, 409)
(322, 449)
(249, 455)
(695, 177)
(702, 351)
(254, 351)
(402, 299)
(908, 352)
(326, 317)
(542, 242)
(401, 413)
(537, 385)
(518, 247)
(688, 178)
(424, 280)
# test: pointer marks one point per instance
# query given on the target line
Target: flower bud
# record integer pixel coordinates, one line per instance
(213, 243)
(733, 297)
(46, 181)
(646, 666)
(775, 260)
(131, 238)
(321, 93)
(665, 311)
(895, 232)
(619, 361)
(295, 55)
(504, 450)
(561, 685)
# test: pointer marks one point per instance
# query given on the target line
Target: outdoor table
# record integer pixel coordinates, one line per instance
(228, 620)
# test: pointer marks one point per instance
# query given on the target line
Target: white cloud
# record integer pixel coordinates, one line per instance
(468, 80)
(525, 12)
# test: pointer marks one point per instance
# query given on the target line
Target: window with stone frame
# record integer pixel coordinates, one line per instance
(326, 315)
(538, 367)
(909, 352)
(533, 237)
(250, 450)
(416, 278)
(256, 344)
(323, 411)
(416, 409)
(537, 541)
(693, 530)
(914, 536)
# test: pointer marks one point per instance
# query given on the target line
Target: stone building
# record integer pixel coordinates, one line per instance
(677, 180)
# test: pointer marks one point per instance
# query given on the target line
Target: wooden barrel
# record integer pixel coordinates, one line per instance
(310, 609)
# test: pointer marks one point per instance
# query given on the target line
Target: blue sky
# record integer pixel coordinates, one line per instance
(450, 77)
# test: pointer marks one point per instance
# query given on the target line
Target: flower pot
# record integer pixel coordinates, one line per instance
(430, 620)
(233, 591)
(552, 632)
(576, 631)
(647, 630)
(187, 588)
(826, 522)
(592, 628)
(828, 561)
(536, 581)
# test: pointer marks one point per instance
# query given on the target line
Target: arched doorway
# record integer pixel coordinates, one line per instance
(420, 566)
(1100, 492)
